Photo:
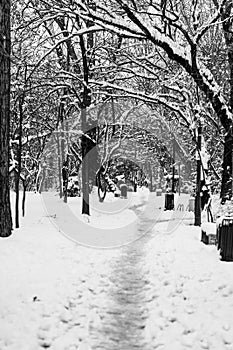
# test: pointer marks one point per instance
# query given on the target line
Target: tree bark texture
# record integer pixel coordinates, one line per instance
(226, 188)
(85, 166)
(19, 159)
(227, 183)
(84, 145)
(197, 219)
(5, 47)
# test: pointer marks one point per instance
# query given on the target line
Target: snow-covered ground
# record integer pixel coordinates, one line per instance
(58, 294)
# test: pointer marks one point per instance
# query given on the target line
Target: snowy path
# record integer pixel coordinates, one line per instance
(164, 291)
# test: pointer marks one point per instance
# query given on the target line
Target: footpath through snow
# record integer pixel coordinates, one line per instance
(166, 290)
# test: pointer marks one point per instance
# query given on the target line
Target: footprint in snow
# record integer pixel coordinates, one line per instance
(45, 343)
(204, 344)
(226, 327)
(188, 340)
(166, 283)
(227, 338)
(44, 339)
(227, 334)
(47, 333)
(189, 309)
(227, 291)
(222, 286)
(65, 316)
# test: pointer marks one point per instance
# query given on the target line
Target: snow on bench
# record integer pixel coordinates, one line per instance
(209, 228)
(208, 233)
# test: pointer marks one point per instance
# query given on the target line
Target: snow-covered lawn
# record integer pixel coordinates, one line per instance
(192, 292)
(52, 289)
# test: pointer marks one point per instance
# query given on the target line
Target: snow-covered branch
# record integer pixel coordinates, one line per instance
(130, 21)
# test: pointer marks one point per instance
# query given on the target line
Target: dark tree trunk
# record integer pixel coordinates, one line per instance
(85, 166)
(151, 178)
(65, 178)
(5, 45)
(24, 197)
(62, 133)
(59, 165)
(197, 220)
(63, 137)
(84, 104)
(17, 180)
(173, 165)
(226, 188)
(19, 158)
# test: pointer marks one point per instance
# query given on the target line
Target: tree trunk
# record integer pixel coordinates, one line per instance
(226, 188)
(84, 104)
(42, 180)
(59, 164)
(173, 165)
(197, 221)
(65, 178)
(5, 47)
(24, 197)
(85, 166)
(19, 159)
(151, 177)
(17, 180)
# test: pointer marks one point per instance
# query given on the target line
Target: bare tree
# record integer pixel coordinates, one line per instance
(178, 29)
(5, 47)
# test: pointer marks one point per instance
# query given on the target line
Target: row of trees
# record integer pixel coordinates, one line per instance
(71, 59)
